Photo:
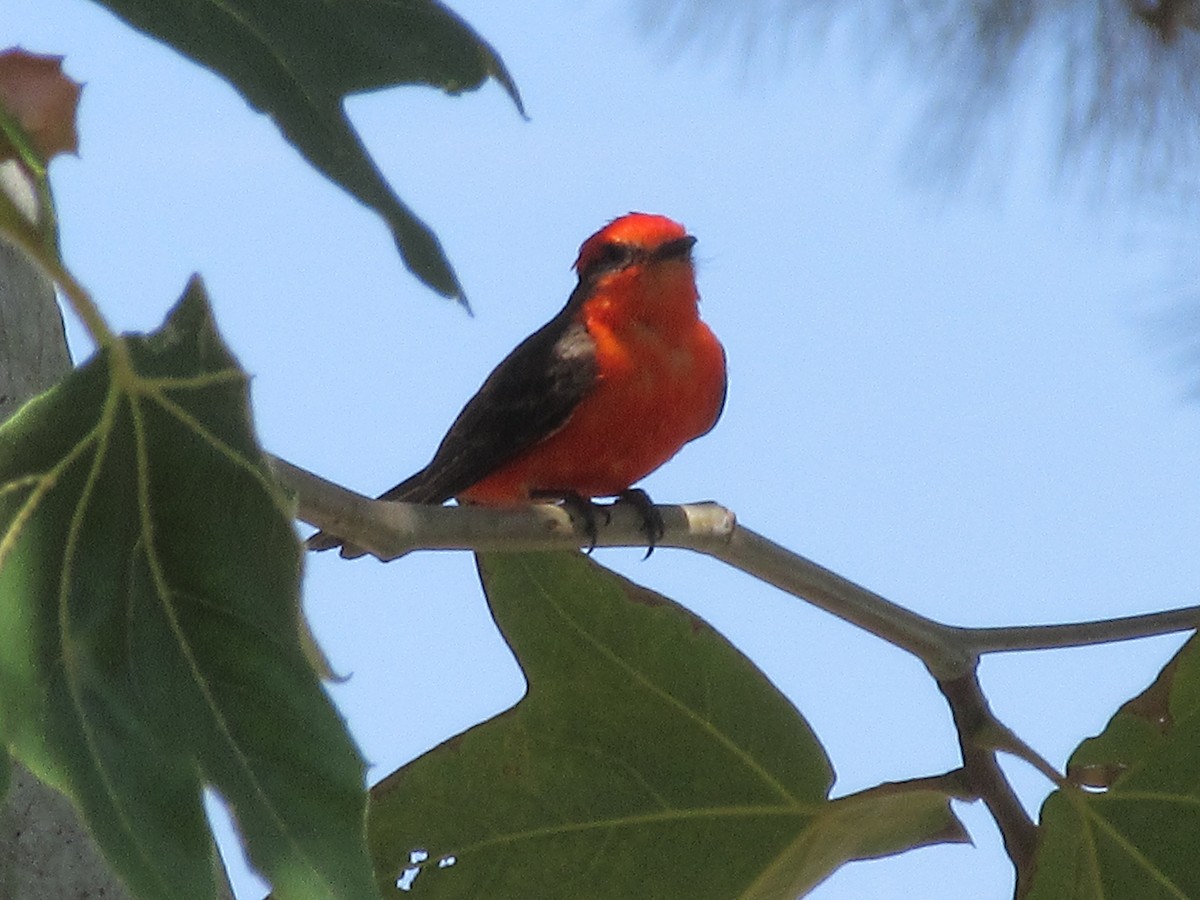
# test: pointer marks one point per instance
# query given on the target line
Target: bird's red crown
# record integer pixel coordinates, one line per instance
(643, 230)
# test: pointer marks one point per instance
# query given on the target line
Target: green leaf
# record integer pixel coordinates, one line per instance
(648, 759)
(149, 624)
(878, 822)
(1142, 725)
(1137, 837)
(297, 60)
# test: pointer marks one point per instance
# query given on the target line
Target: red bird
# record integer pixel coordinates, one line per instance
(598, 397)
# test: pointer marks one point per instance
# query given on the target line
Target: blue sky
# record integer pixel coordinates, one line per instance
(963, 401)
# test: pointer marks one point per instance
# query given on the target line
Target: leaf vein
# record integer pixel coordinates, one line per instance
(166, 596)
(71, 674)
(636, 675)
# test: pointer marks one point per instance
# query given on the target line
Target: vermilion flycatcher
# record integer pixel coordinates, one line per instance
(598, 397)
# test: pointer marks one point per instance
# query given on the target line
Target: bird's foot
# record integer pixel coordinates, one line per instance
(588, 513)
(652, 521)
(582, 509)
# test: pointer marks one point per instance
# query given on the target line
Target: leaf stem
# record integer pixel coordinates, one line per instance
(84, 307)
(33, 230)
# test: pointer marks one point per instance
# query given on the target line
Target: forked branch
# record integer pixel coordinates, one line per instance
(951, 653)
(390, 530)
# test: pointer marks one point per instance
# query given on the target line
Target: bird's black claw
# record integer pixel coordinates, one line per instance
(652, 521)
(583, 509)
(586, 512)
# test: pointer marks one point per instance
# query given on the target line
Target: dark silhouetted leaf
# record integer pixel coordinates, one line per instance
(149, 625)
(648, 759)
(296, 61)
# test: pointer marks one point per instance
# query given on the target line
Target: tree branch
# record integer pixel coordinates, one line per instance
(1079, 634)
(390, 530)
(976, 727)
(933, 643)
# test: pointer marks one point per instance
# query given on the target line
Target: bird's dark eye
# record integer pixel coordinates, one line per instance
(608, 258)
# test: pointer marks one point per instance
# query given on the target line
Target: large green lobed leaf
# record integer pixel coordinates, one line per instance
(296, 60)
(1139, 835)
(149, 625)
(648, 759)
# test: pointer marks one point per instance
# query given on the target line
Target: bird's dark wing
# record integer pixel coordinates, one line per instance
(527, 398)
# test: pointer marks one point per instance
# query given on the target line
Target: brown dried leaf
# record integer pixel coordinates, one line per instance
(43, 100)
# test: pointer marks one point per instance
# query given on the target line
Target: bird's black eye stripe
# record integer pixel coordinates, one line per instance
(615, 255)
(612, 256)
(679, 248)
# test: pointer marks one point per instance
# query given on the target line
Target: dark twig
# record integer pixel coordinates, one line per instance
(977, 729)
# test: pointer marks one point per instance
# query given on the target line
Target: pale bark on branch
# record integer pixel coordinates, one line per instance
(391, 530)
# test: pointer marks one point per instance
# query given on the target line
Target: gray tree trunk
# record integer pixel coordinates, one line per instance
(45, 851)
